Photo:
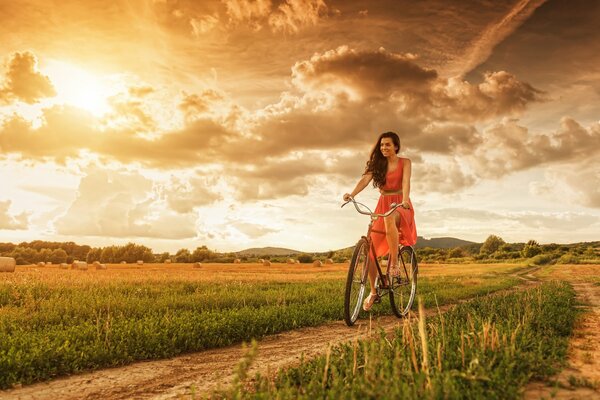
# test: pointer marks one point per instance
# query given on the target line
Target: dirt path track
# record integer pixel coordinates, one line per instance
(584, 355)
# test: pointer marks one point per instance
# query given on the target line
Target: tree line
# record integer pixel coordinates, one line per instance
(494, 249)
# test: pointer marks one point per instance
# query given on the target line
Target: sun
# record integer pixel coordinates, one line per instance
(79, 88)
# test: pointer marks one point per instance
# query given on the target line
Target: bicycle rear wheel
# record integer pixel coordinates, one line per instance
(356, 282)
(403, 288)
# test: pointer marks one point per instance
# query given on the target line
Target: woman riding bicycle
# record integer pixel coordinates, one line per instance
(391, 175)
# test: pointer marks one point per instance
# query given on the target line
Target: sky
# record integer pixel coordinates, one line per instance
(238, 123)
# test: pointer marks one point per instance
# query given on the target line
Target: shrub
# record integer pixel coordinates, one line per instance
(541, 259)
(568, 259)
(305, 258)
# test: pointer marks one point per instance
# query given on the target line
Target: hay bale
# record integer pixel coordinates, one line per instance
(7, 264)
(79, 265)
(262, 260)
(100, 266)
(297, 261)
(317, 263)
(167, 261)
(123, 262)
(41, 264)
(48, 263)
(197, 265)
(291, 261)
(329, 261)
(140, 262)
(266, 263)
(237, 261)
(96, 263)
(63, 266)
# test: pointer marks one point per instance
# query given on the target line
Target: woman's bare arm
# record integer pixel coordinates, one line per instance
(407, 169)
(362, 183)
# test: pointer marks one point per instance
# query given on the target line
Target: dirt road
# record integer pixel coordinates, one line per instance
(581, 379)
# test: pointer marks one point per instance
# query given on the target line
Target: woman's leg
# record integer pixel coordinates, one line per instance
(391, 234)
(372, 273)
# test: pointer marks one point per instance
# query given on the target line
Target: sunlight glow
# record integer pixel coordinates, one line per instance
(79, 88)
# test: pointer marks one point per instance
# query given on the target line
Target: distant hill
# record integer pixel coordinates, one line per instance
(436, 243)
(267, 251)
(442, 242)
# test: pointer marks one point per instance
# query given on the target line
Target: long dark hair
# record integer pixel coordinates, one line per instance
(377, 164)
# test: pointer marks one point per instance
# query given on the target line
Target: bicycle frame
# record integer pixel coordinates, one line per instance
(372, 256)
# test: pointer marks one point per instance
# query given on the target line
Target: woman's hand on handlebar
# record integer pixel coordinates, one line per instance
(405, 204)
(347, 197)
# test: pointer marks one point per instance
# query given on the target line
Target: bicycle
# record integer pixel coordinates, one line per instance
(403, 287)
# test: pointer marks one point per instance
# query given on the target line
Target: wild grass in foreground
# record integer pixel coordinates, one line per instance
(48, 331)
(486, 348)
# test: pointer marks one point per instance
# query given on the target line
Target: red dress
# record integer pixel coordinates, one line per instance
(407, 231)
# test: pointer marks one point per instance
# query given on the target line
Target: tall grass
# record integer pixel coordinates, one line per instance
(51, 330)
(486, 348)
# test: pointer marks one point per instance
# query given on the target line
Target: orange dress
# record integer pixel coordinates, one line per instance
(407, 231)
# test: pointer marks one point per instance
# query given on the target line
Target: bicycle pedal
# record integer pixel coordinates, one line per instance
(377, 300)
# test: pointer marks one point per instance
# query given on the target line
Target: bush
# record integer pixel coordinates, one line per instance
(305, 258)
(541, 259)
(568, 259)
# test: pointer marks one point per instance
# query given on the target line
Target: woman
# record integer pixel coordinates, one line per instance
(391, 174)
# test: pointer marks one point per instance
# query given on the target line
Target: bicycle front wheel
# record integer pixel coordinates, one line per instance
(356, 282)
(403, 288)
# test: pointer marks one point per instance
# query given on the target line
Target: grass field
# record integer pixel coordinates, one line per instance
(55, 322)
(489, 347)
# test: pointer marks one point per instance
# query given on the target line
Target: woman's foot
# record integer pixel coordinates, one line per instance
(394, 271)
(369, 301)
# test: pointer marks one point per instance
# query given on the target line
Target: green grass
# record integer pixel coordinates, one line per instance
(486, 348)
(49, 331)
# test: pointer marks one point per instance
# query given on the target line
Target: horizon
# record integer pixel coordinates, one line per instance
(240, 124)
(308, 251)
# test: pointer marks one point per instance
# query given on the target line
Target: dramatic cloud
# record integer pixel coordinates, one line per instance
(11, 221)
(496, 32)
(289, 17)
(122, 204)
(511, 147)
(577, 183)
(293, 15)
(185, 195)
(372, 76)
(24, 82)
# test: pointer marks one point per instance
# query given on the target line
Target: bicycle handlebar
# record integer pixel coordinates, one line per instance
(373, 215)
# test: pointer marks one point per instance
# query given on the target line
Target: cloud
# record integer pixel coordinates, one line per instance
(183, 196)
(577, 183)
(521, 226)
(511, 147)
(11, 221)
(122, 204)
(360, 74)
(251, 230)
(376, 76)
(479, 51)
(289, 17)
(23, 82)
(293, 15)
(66, 131)
(248, 10)
(448, 177)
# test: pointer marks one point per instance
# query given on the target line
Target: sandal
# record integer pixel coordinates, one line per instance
(369, 301)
